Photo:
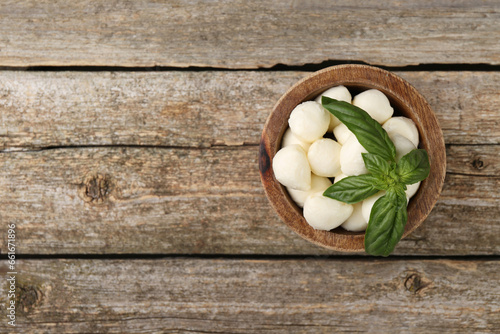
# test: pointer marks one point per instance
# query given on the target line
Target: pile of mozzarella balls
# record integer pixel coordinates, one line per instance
(317, 149)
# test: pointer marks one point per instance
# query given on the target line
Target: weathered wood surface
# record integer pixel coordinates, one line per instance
(165, 162)
(195, 188)
(202, 109)
(242, 34)
(256, 296)
(208, 201)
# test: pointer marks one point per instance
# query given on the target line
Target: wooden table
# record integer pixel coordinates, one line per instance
(129, 165)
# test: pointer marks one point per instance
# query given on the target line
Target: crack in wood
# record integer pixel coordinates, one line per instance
(278, 67)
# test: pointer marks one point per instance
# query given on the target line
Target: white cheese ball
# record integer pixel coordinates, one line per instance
(291, 168)
(402, 126)
(356, 222)
(411, 189)
(402, 144)
(342, 133)
(375, 103)
(318, 185)
(367, 205)
(351, 160)
(290, 139)
(324, 213)
(324, 157)
(309, 121)
(339, 177)
(339, 93)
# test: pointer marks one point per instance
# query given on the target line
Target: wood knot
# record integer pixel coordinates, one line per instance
(95, 188)
(478, 163)
(416, 284)
(28, 297)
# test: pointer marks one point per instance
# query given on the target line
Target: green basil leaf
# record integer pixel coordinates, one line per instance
(387, 222)
(354, 189)
(376, 164)
(368, 131)
(413, 167)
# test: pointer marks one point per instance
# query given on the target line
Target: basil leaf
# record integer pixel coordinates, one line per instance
(368, 131)
(376, 164)
(387, 222)
(354, 189)
(413, 167)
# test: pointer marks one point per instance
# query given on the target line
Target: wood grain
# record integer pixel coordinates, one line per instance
(478, 160)
(256, 296)
(241, 34)
(104, 164)
(202, 109)
(204, 201)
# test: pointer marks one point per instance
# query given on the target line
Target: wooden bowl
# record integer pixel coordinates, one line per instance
(405, 100)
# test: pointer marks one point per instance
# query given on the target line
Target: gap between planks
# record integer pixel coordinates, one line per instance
(263, 257)
(310, 67)
(22, 149)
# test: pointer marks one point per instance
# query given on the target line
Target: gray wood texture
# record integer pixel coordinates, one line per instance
(207, 201)
(76, 178)
(180, 295)
(136, 194)
(202, 109)
(242, 34)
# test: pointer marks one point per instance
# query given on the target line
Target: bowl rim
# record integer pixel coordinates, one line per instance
(404, 98)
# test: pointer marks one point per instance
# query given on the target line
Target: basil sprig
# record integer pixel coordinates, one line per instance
(388, 216)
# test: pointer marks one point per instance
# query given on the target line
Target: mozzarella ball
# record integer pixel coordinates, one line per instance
(324, 157)
(403, 145)
(351, 160)
(366, 207)
(339, 93)
(342, 133)
(411, 189)
(339, 177)
(318, 185)
(402, 126)
(290, 139)
(324, 213)
(309, 121)
(291, 168)
(356, 222)
(375, 103)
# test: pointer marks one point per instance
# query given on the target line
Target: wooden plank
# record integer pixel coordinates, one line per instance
(241, 34)
(256, 296)
(202, 109)
(195, 109)
(205, 201)
(473, 160)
